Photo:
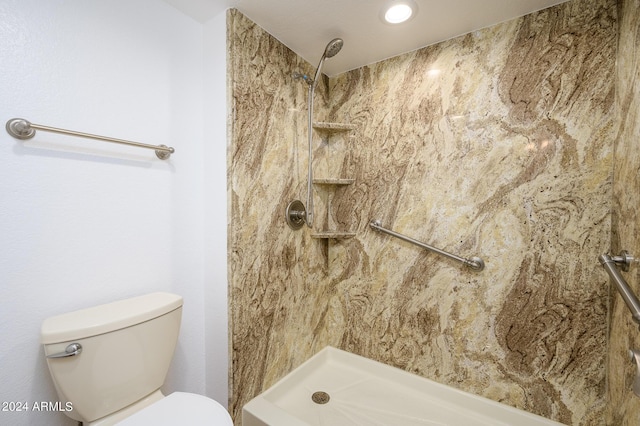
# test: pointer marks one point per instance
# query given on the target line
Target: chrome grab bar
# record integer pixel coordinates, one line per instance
(72, 350)
(635, 357)
(22, 129)
(610, 264)
(475, 263)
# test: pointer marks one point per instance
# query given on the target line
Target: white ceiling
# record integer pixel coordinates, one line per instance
(306, 26)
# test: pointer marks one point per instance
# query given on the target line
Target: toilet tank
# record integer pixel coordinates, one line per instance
(127, 347)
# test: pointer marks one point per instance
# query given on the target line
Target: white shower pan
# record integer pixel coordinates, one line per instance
(337, 388)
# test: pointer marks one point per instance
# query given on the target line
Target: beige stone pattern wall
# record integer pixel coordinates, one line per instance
(496, 144)
(624, 407)
(276, 275)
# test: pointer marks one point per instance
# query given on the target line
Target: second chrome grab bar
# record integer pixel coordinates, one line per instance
(610, 264)
(475, 263)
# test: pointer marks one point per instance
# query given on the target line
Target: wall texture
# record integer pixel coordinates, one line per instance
(497, 144)
(624, 407)
(270, 267)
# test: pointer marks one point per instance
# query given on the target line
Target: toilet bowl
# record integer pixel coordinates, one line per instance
(108, 363)
(180, 408)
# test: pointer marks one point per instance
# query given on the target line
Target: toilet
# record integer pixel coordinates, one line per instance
(108, 363)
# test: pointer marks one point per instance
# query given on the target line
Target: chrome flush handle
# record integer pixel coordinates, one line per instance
(72, 350)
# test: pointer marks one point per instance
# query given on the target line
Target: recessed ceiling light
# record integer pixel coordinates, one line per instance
(398, 11)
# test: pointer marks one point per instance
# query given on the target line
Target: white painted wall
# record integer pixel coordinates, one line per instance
(85, 222)
(215, 170)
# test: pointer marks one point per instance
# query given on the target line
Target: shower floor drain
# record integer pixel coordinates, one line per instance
(320, 397)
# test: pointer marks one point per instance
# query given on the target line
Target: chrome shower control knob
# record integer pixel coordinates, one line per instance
(295, 214)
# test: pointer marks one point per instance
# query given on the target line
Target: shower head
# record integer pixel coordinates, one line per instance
(333, 48)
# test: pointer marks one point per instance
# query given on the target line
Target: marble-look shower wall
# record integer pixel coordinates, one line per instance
(624, 407)
(276, 275)
(496, 144)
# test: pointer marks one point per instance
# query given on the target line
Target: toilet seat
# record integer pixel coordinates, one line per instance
(181, 408)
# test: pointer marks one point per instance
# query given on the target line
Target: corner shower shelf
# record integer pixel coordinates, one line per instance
(328, 127)
(333, 235)
(334, 181)
(328, 131)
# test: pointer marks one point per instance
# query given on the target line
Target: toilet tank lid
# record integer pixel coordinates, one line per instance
(108, 317)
